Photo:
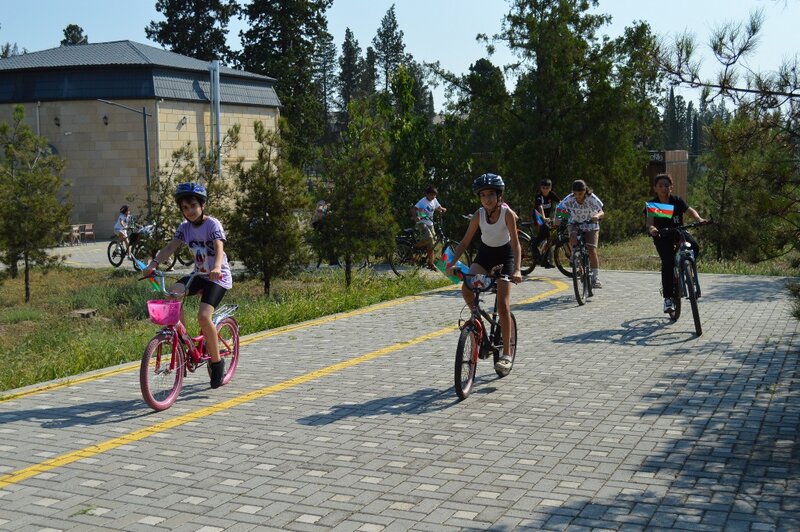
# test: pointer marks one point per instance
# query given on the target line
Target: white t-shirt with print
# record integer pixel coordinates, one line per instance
(581, 213)
(429, 207)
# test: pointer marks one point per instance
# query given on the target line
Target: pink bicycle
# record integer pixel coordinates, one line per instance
(172, 352)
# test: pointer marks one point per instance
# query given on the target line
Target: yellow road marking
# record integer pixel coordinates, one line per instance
(245, 340)
(92, 450)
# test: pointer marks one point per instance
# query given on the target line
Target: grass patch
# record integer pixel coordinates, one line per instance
(43, 343)
(639, 254)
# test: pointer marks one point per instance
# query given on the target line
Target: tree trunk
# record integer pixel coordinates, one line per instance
(27, 279)
(348, 270)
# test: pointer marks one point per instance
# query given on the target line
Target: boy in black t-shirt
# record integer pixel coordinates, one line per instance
(544, 209)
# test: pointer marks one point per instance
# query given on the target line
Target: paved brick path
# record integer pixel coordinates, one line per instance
(612, 418)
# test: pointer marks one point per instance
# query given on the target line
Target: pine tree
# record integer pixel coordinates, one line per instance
(325, 76)
(198, 28)
(263, 228)
(280, 43)
(349, 73)
(73, 34)
(360, 222)
(32, 190)
(389, 46)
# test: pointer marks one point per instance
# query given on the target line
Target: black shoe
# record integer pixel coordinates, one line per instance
(548, 265)
(217, 373)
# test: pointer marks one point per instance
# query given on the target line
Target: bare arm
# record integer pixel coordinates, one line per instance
(465, 242)
(163, 255)
(511, 223)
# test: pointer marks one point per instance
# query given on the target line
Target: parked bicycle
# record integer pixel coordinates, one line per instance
(138, 247)
(172, 352)
(558, 242)
(476, 341)
(408, 258)
(581, 268)
(686, 283)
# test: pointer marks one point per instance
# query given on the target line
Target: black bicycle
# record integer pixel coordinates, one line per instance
(140, 244)
(558, 242)
(475, 341)
(686, 282)
(407, 258)
(581, 268)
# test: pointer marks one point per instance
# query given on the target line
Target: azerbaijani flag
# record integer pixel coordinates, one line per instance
(659, 210)
(562, 213)
(538, 218)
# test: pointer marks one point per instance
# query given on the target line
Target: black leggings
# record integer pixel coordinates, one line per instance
(210, 292)
(666, 250)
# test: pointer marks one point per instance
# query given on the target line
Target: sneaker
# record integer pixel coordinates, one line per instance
(431, 267)
(596, 283)
(504, 363)
(217, 373)
(548, 265)
(669, 306)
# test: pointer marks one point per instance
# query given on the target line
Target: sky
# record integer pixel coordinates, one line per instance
(433, 30)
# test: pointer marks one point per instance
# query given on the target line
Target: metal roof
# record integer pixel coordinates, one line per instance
(124, 69)
(113, 53)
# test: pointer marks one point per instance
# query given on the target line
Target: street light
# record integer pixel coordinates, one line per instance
(144, 114)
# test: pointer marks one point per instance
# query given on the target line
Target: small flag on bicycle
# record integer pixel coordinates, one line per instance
(562, 213)
(659, 210)
(538, 218)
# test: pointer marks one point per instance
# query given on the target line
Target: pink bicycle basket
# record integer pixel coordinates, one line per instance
(164, 312)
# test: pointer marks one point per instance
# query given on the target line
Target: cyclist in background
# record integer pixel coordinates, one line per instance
(544, 212)
(670, 215)
(206, 238)
(499, 246)
(122, 225)
(585, 209)
(423, 216)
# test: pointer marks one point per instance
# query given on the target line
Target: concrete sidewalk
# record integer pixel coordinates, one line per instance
(613, 417)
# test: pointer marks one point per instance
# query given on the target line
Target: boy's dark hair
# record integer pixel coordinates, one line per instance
(659, 177)
(431, 190)
(545, 181)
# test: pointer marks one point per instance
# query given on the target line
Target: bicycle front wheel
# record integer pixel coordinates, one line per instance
(562, 257)
(228, 333)
(675, 313)
(466, 361)
(116, 253)
(528, 262)
(579, 277)
(689, 278)
(512, 344)
(161, 371)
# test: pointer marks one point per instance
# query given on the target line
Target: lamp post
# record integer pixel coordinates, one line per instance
(144, 114)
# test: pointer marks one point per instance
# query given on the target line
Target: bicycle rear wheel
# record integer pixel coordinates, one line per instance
(116, 253)
(161, 371)
(579, 277)
(228, 333)
(689, 278)
(512, 343)
(402, 260)
(466, 361)
(184, 255)
(528, 262)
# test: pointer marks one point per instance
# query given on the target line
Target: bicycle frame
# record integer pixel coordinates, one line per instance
(581, 283)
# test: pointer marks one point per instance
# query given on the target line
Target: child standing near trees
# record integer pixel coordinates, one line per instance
(544, 211)
(424, 210)
(206, 238)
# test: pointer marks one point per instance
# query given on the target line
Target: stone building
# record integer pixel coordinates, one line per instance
(104, 142)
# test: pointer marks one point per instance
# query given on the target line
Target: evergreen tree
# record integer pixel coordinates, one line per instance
(325, 76)
(197, 28)
(349, 70)
(359, 222)
(389, 46)
(73, 34)
(264, 229)
(368, 71)
(280, 42)
(31, 189)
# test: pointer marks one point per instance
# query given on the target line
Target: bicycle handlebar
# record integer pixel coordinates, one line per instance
(685, 226)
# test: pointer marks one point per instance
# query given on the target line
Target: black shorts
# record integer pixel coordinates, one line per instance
(489, 257)
(210, 293)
